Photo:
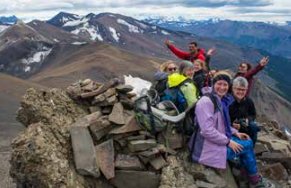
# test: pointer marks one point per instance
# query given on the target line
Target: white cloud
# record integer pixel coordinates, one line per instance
(249, 10)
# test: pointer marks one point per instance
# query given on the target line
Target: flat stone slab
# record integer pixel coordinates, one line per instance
(175, 140)
(158, 163)
(277, 157)
(128, 162)
(117, 115)
(130, 126)
(87, 120)
(135, 179)
(100, 128)
(105, 158)
(260, 148)
(141, 145)
(275, 171)
(84, 152)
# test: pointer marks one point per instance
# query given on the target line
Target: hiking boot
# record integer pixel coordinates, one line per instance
(263, 183)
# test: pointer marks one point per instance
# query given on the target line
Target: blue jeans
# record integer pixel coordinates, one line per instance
(246, 157)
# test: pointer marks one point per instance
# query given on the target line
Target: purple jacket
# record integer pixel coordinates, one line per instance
(210, 143)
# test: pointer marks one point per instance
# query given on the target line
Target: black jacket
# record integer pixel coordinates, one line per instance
(243, 109)
(199, 80)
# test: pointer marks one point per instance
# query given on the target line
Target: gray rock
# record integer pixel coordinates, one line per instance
(277, 157)
(135, 179)
(84, 152)
(101, 128)
(86, 82)
(130, 126)
(105, 158)
(275, 172)
(116, 115)
(87, 120)
(128, 162)
(158, 163)
(93, 109)
(124, 88)
(141, 145)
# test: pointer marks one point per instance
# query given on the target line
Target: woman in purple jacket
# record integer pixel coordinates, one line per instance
(216, 141)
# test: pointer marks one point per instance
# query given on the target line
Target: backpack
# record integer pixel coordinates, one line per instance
(160, 86)
(175, 95)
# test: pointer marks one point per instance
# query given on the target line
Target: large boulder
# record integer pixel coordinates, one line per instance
(42, 154)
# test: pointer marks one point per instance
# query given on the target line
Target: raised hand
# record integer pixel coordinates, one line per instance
(168, 42)
(211, 51)
(264, 61)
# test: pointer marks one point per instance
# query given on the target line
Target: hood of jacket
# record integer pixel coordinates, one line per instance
(175, 79)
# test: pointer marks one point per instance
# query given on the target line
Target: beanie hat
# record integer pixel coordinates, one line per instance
(185, 64)
(222, 75)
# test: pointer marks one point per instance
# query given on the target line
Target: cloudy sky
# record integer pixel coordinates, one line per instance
(248, 10)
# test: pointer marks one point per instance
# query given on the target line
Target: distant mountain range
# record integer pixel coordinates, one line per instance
(8, 20)
(271, 37)
(69, 47)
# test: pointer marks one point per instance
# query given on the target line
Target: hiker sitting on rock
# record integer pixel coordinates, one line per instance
(216, 141)
(242, 111)
(181, 89)
(161, 76)
(245, 70)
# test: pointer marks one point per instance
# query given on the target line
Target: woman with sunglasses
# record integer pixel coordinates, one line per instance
(181, 88)
(161, 76)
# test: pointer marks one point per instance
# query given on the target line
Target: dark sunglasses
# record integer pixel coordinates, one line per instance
(172, 69)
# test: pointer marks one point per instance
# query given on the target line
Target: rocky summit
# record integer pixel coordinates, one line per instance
(87, 136)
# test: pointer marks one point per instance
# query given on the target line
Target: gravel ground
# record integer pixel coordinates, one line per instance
(7, 133)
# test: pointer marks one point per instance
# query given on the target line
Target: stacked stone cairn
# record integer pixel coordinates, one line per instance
(88, 137)
(109, 140)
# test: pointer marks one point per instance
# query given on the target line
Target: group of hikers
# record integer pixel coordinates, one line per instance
(224, 113)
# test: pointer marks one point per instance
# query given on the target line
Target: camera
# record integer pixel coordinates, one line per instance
(243, 122)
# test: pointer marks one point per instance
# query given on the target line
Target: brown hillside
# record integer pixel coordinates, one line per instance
(97, 61)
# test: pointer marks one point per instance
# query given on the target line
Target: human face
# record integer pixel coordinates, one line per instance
(239, 92)
(197, 66)
(192, 48)
(221, 88)
(189, 72)
(171, 68)
(243, 68)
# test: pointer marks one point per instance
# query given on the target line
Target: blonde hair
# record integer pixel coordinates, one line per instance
(201, 63)
(164, 66)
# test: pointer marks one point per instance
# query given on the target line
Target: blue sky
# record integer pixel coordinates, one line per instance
(247, 10)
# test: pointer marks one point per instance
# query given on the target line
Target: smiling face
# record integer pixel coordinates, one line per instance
(192, 48)
(239, 92)
(197, 66)
(243, 68)
(171, 68)
(189, 72)
(221, 87)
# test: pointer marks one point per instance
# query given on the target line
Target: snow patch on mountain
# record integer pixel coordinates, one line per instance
(142, 25)
(114, 34)
(78, 43)
(131, 28)
(165, 32)
(76, 22)
(91, 30)
(37, 57)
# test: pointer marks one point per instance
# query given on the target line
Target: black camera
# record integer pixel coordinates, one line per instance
(243, 122)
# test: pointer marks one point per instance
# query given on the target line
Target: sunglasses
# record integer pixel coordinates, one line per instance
(172, 69)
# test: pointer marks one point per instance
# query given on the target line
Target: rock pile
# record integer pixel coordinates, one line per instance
(88, 137)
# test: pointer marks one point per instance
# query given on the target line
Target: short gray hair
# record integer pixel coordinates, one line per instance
(240, 82)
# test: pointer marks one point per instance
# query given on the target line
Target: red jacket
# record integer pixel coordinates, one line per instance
(187, 55)
(250, 76)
